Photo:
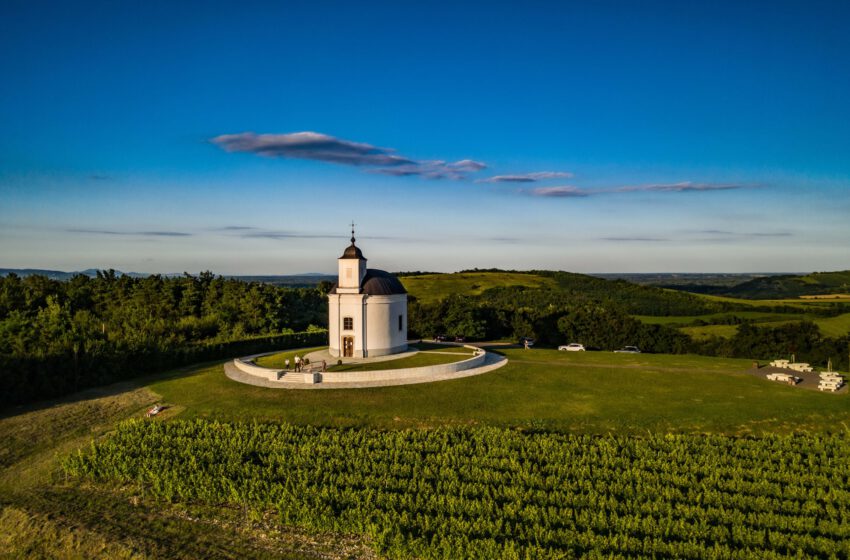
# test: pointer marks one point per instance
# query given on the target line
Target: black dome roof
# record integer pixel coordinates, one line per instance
(352, 252)
(378, 283)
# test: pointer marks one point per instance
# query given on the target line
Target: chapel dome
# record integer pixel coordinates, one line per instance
(381, 283)
(352, 252)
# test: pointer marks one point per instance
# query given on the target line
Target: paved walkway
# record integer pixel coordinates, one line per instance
(492, 361)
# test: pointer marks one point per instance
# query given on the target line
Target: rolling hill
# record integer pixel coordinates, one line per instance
(816, 283)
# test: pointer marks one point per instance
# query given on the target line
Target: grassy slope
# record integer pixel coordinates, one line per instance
(782, 286)
(758, 316)
(706, 331)
(40, 516)
(834, 326)
(829, 326)
(421, 359)
(430, 288)
(576, 392)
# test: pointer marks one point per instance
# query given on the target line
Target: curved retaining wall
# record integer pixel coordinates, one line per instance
(246, 365)
(406, 373)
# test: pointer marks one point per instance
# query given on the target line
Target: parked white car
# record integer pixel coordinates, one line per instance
(572, 347)
(628, 350)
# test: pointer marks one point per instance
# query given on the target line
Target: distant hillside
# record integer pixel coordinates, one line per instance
(306, 280)
(554, 288)
(63, 275)
(432, 287)
(24, 272)
(787, 286)
(687, 280)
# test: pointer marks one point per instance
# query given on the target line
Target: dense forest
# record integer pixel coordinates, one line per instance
(553, 318)
(60, 336)
(57, 336)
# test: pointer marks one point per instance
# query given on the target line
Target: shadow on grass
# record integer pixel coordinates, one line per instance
(110, 390)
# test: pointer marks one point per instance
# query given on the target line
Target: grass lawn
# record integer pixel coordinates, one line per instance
(686, 320)
(834, 326)
(420, 359)
(430, 288)
(802, 302)
(278, 361)
(586, 392)
(575, 392)
(41, 516)
(830, 326)
(440, 347)
(705, 331)
(432, 354)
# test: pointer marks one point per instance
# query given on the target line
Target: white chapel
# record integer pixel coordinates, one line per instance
(367, 309)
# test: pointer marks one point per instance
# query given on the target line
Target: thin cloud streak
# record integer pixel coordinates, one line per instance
(527, 177)
(559, 192)
(630, 239)
(569, 191)
(287, 235)
(138, 233)
(279, 235)
(743, 234)
(685, 186)
(456, 171)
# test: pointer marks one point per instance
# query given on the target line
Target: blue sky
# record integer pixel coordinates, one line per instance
(243, 137)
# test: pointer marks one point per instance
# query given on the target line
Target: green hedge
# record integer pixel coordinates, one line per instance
(34, 378)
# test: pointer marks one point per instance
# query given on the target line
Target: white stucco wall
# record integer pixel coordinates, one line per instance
(376, 332)
(339, 307)
(382, 334)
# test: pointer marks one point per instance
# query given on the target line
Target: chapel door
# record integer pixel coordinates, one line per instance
(348, 347)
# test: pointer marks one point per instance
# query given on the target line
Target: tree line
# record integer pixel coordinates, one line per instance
(60, 336)
(604, 321)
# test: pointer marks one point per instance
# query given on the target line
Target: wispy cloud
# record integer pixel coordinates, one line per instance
(685, 186)
(233, 228)
(279, 234)
(505, 240)
(287, 235)
(137, 233)
(741, 234)
(575, 192)
(309, 145)
(435, 169)
(322, 147)
(559, 192)
(527, 177)
(630, 239)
